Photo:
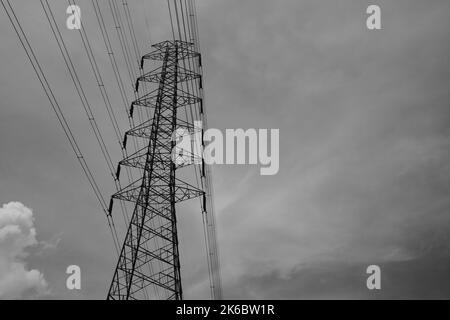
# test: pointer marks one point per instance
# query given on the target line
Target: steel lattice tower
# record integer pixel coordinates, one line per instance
(149, 255)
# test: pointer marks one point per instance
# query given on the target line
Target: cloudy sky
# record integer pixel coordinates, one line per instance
(364, 119)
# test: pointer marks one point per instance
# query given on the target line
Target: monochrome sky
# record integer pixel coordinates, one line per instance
(364, 119)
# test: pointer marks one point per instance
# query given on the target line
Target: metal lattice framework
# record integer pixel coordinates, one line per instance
(149, 255)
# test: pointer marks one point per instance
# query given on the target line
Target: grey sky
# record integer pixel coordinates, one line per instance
(364, 161)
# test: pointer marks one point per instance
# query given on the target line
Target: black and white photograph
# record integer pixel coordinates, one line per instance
(229, 150)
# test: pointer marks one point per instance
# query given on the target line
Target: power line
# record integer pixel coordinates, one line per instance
(79, 89)
(76, 81)
(100, 83)
(123, 40)
(137, 53)
(208, 248)
(178, 23)
(99, 79)
(218, 293)
(59, 114)
(187, 28)
(114, 65)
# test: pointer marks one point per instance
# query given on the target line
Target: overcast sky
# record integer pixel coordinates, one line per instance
(364, 119)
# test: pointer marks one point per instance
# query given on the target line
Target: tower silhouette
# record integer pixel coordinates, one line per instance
(150, 255)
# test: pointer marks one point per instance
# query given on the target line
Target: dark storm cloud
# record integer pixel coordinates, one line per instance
(364, 133)
(364, 125)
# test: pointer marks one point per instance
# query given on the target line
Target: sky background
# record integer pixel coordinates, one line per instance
(364, 119)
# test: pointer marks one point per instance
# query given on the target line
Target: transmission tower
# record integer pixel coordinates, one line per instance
(149, 256)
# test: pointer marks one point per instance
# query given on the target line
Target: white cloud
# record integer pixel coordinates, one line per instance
(17, 233)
